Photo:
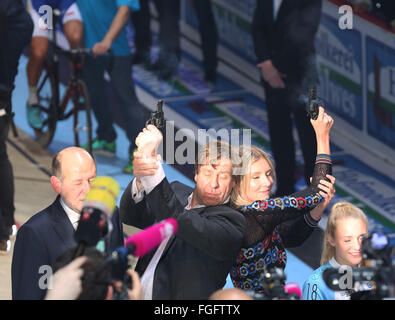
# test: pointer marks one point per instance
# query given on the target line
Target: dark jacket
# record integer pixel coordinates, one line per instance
(289, 40)
(197, 260)
(40, 241)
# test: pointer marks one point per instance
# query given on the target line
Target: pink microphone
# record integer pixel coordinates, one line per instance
(292, 288)
(146, 240)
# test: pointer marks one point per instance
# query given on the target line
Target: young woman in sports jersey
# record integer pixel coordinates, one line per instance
(346, 227)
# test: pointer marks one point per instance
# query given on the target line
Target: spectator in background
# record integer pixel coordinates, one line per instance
(141, 20)
(96, 282)
(346, 227)
(209, 37)
(283, 35)
(169, 37)
(104, 23)
(16, 29)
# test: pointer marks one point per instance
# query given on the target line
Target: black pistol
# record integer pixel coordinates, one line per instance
(313, 104)
(157, 118)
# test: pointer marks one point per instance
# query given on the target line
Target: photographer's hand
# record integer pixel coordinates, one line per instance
(66, 282)
(136, 293)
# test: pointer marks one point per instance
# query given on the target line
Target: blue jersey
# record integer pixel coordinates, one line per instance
(97, 17)
(316, 289)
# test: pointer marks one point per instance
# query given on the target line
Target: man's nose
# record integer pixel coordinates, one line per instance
(86, 186)
(214, 181)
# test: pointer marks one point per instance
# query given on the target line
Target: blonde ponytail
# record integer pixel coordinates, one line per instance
(339, 211)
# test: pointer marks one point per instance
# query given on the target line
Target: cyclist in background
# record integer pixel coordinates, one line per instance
(70, 20)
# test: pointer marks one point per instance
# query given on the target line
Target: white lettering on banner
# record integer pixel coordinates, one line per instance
(345, 21)
(336, 95)
(231, 32)
(333, 51)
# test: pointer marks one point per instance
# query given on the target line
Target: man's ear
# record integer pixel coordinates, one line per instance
(56, 184)
(233, 184)
(110, 291)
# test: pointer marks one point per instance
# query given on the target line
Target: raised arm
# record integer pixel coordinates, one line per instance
(270, 213)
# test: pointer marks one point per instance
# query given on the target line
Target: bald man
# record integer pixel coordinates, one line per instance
(49, 233)
(230, 294)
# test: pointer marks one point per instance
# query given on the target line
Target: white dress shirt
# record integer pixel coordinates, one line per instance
(276, 8)
(73, 216)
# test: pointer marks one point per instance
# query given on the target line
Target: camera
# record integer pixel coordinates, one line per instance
(272, 282)
(378, 274)
(119, 260)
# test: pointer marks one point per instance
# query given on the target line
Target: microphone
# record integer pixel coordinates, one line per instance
(99, 204)
(144, 241)
(140, 244)
(293, 290)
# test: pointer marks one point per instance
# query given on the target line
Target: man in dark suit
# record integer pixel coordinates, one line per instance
(196, 261)
(49, 233)
(283, 34)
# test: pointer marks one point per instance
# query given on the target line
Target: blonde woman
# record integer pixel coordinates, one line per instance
(265, 239)
(346, 227)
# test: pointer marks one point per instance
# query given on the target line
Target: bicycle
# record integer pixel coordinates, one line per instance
(53, 109)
